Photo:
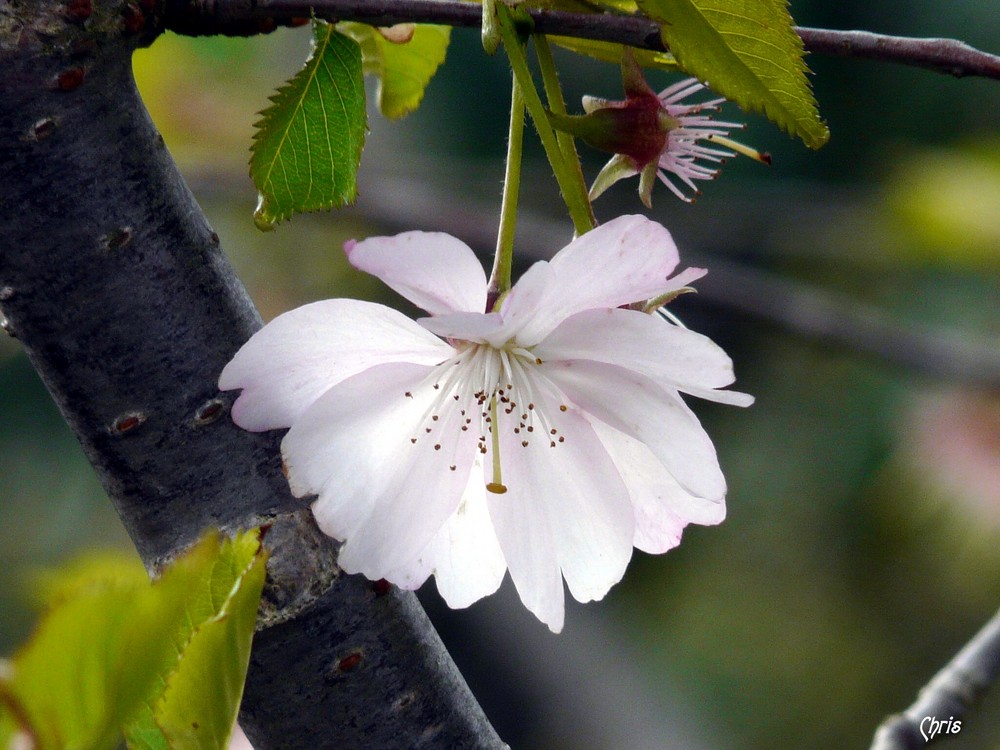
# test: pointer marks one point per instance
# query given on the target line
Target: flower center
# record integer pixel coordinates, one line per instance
(486, 390)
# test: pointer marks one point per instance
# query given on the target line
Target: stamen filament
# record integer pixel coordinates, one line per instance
(762, 156)
(496, 486)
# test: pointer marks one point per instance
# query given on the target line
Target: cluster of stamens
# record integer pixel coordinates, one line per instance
(480, 400)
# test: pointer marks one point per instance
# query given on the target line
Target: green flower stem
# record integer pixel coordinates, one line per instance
(573, 190)
(553, 92)
(504, 258)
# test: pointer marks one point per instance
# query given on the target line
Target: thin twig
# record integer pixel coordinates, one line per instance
(943, 55)
(215, 16)
(939, 707)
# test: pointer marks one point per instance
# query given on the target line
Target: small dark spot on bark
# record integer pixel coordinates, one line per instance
(133, 18)
(127, 422)
(209, 412)
(264, 528)
(350, 662)
(42, 129)
(214, 237)
(79, 10)
(70, 79)
(406, 699)
(381, 587)
(118, 238)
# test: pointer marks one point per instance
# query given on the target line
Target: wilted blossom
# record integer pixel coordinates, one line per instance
(656, 135)
(546, 436)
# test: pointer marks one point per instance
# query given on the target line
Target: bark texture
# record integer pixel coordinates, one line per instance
(119, 292)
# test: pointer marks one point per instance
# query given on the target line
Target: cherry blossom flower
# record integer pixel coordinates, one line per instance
(656, 135)
(546, 436)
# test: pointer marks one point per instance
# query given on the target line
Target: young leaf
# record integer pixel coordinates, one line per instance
(748, 52)
(108, 649)
(200, 695)
(612, 53)
(403, 68)
(308, 143)
(78, 679)
(195, 705)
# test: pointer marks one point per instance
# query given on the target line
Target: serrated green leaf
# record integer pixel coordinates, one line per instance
(747, 51)
(78, 679)
(199, 706)
(308, 143)
(108, 649)
(612, 53)
(195, 704)
(403, 69)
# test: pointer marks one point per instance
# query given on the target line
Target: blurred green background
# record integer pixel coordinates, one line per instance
(863, 538)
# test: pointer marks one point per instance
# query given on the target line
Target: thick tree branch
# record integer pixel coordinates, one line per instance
(948, 695)
(240, 16)
(116, 286)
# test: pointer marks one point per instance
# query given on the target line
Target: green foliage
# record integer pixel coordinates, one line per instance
(404, 68)
(749, 53)
(308, 143)
(106, 651)
(612, 53)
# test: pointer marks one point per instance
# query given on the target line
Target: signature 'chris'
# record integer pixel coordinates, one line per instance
(547, 436)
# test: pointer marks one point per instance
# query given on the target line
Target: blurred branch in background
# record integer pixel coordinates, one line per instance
(241, 17)
(805, 310)
(947, 696)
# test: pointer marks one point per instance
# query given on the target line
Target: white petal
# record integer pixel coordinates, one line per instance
(435, 271)
(465, 555)
(654, 415)
(662, 507)
(643, 343)
(299, 355)
(624, 261)
(385, 495)
(527, 305)
(565, 505)
(732, 398)
(531, 303)
(467, 326)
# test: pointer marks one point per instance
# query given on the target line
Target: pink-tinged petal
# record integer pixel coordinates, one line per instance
(412, 575)
(435, 271)
(467, 326)
(528, 544)
(626, 260)
(465, 555)
(683, 279)
(643, 343)
(654, 415)
(525, 305)
(565, 502)
(388, 474)
(299, 355)
(730, 398)
(530, 303)
(662, 507)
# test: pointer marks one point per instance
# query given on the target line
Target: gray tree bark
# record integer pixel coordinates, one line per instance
(123, 300)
